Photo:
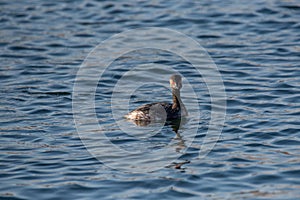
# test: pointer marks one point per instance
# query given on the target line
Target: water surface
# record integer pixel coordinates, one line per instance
(255, 45)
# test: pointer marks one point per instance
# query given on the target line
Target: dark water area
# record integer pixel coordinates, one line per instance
(256, 46)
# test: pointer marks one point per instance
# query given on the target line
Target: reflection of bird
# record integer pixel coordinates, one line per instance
(162, 111)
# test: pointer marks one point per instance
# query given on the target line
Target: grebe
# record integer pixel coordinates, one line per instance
(162, 111)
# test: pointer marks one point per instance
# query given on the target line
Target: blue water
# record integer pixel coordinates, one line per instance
(256, 46)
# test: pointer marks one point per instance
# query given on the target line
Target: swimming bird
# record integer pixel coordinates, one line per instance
(159, 111)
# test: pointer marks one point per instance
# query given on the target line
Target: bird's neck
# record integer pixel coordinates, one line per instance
(176, 99)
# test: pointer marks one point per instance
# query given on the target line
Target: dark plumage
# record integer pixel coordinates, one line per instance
(162, 111)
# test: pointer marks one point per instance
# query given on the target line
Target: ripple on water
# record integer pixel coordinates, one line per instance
(255, 46)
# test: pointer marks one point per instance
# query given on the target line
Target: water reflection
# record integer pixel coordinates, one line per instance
(179, 144)
(175, 125)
